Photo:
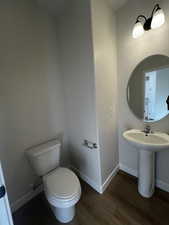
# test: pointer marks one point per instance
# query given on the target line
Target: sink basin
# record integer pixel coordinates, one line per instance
(152, 142)
(147, 146)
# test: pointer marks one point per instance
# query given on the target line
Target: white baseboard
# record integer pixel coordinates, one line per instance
(128, 170)
(109, 178)
(88, 180)
(99, 188)
(160, 184)
(25, 198)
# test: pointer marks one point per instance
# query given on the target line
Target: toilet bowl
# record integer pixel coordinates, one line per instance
(63, 191)
(61, 185)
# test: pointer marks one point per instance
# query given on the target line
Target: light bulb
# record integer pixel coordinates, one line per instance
(158, 19)
(138, 30)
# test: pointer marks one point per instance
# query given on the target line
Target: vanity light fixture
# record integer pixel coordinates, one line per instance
(156, 20)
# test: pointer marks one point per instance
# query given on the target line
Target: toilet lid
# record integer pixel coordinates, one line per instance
(61, 183)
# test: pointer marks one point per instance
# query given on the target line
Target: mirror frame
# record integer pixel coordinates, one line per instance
(127, 92)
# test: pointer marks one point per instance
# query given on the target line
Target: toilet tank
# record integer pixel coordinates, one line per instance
(45, 157)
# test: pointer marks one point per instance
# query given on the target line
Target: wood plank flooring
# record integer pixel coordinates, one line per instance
(119, 205)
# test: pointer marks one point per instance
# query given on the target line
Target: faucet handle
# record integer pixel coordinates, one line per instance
(147, 129)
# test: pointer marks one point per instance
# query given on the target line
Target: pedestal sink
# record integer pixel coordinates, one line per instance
(147, 144)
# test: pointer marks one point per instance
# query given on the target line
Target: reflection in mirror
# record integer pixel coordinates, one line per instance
(148, 89)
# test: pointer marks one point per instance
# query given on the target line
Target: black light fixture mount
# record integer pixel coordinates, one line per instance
(156, 19)
(147, 24)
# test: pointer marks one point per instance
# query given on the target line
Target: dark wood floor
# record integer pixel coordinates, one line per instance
(119, 205)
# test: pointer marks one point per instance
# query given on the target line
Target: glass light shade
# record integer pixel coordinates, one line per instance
(138, 30)
(158, 19)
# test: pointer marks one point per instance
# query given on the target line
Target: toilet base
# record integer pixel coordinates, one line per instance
(64, 215)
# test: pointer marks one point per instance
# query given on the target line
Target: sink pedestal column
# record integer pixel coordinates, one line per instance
(146, 174)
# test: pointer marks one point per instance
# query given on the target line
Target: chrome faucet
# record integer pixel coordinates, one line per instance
(147, 130)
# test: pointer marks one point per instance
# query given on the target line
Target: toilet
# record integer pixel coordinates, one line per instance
(61, 185)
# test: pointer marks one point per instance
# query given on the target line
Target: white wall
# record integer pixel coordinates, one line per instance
(31, 100)
(76, 57)
(105, 61)
(87, 40)
(130, 53)
(32, 94)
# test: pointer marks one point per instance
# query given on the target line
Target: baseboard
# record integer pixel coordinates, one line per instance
(99, 188)
(128, 170)
(88, 180)
(109, 178)
(160, 184)
(25, 198)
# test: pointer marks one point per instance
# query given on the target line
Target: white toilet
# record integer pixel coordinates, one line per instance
(62, 187)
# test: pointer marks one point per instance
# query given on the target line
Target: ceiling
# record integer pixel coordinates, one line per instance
(57, 6)
(117, 4)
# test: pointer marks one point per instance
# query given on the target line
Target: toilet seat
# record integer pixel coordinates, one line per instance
(62, 187)
(64, 203)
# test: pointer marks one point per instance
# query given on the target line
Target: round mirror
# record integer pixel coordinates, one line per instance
(148, 89)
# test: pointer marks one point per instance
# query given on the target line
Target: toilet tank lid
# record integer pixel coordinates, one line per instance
(43, 148)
